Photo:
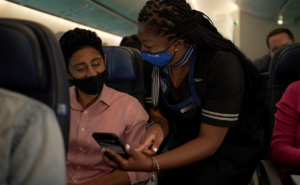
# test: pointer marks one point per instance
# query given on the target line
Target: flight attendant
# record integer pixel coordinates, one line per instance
(207, 88)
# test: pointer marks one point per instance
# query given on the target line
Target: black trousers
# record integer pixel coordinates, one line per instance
(178, 176)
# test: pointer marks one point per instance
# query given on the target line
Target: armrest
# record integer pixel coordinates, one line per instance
(267, 171)
(295, 179)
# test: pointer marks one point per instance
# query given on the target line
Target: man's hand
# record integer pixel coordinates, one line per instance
(136, 162)
(151, 140)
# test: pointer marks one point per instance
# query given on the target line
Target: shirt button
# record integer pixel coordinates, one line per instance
(75, 181)
(82, 129)
(81, 148)
(85, 112)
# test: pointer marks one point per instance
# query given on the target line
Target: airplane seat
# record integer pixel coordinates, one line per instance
(262, 64)
(32, 64)
(265, 63)
(283, 70)
(125, 68)
(256, 62)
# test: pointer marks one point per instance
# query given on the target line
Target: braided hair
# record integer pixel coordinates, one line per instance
(176, 19)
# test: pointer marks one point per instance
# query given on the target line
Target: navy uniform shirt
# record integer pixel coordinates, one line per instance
(219, 82)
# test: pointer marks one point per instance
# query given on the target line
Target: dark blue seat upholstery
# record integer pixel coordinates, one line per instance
(125, 68)
(256, 62)
(32, 64)
(284, 70)
(263, 63)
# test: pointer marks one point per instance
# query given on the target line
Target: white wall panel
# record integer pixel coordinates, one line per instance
(253, 32)
(220, 12)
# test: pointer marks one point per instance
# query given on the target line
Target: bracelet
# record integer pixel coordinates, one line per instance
(156, 164)
(151, 175)
(151, 123)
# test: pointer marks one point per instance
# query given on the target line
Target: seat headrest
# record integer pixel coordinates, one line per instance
(120, 63)
(22, 63)
(256, 63)
(287, 60)
(125, 68)
(32, 64)
(265, 63)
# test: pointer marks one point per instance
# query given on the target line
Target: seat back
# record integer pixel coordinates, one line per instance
(32, 64)
(125, 68)
(263, 63)
(256, 63)
(284, 70)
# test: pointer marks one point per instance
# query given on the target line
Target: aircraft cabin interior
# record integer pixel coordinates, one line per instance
(140, 74)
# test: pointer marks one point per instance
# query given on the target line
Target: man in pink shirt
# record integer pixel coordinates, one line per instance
(97, 108)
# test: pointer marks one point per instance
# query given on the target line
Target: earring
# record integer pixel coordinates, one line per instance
(175, 50)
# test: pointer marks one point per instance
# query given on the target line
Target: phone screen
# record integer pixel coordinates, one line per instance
(111, 144)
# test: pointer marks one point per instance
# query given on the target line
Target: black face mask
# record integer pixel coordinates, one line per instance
(92, 85)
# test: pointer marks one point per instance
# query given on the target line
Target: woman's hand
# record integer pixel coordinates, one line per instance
(136, 162)
(151, 140)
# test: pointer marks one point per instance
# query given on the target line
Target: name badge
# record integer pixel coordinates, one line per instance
(187, 108)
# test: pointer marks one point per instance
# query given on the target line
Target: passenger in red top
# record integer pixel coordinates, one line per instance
(285, 142)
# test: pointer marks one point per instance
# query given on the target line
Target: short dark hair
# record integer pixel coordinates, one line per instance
(131, 41)
(278, 31)
(74, 40)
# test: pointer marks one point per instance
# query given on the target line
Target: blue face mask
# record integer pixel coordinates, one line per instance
(159, 59)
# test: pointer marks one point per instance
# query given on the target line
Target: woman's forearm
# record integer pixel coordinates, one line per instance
(158, 116)
(205, 145)
(283, 150)
(163, 123)
(186, 154)
(285, 156)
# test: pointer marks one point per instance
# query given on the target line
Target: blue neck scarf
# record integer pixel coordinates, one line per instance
(158, 82)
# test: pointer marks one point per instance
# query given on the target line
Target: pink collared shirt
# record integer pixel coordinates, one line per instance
(113, 112)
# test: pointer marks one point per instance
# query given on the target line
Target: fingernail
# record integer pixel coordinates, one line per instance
(127, 146)
(155, 149)
(103, 150)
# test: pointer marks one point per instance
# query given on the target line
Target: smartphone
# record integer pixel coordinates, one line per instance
(111, 141)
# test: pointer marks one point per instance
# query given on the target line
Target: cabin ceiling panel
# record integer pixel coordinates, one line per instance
(286, 10)
(113, 16)
(127, 8)
(265, 9)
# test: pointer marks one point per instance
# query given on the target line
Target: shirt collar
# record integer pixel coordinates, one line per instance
(104, 97)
